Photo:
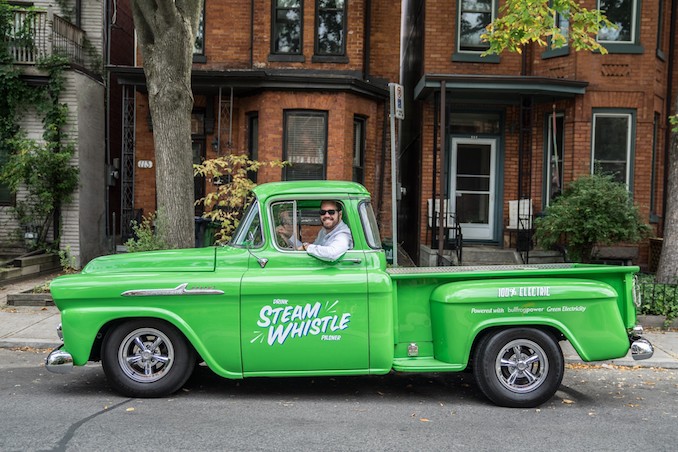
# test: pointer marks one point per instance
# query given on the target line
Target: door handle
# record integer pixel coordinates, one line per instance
(352, 260)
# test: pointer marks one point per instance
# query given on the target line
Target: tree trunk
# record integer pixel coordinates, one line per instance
(166, 32)
(667, 271)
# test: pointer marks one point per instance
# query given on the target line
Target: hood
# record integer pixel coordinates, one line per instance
(184, 260)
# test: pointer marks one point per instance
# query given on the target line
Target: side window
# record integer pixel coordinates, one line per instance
(613, 144)
(625, 15)
(370, 225)
(286, 225)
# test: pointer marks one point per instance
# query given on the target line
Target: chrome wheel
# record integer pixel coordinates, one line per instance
(521, 366)
(518, 367)
(146, 355)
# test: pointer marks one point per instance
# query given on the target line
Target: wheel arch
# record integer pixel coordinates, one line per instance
(552, 330)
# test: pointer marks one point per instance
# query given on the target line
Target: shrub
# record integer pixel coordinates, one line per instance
(146, 236)
(231, 174)
(593, 210)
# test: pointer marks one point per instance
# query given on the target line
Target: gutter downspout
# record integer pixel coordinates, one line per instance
(669, 101)
(441, 217)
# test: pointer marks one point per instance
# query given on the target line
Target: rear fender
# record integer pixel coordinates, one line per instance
(584, 311)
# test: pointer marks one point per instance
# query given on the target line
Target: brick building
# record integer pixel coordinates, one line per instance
(303, 81)
(516, 128)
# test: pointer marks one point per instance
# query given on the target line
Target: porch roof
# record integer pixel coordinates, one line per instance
(499, 88)
(249, 81)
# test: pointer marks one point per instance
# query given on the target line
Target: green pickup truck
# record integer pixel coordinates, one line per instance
(263, 307)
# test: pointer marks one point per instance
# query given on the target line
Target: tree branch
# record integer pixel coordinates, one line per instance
(144, 13)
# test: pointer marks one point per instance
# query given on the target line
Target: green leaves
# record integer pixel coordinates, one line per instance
(593, 210)
(525, 21)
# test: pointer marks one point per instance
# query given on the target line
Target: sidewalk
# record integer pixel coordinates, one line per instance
(29, 326)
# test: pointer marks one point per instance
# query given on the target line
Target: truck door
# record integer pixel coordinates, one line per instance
(300, 314)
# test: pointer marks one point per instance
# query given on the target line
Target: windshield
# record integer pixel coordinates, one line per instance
(249, 232)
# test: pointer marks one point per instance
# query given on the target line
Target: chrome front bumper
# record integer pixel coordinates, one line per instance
(59, 361)
(641, 348)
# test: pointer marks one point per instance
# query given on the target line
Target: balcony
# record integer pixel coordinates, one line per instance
(36, 35)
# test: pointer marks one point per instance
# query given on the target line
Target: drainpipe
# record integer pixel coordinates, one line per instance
(669, 101)
(441, 217)
(382, 163)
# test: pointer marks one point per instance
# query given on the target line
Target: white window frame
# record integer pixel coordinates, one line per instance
(629, 140)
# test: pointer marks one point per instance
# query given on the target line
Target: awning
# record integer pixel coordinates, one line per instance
(498, 88)
(249, 81)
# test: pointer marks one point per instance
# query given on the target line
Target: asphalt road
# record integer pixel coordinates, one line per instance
(597, 408)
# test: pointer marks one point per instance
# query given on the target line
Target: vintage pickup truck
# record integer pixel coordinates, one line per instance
(260, 307)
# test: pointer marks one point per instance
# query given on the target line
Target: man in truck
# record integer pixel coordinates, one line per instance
(334, 239)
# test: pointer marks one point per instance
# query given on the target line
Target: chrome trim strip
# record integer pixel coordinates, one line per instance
(179, 290)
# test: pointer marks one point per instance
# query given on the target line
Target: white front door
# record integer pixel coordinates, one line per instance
(472, 185)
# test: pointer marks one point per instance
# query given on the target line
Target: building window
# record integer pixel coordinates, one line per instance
(653, 174)
(198, 149)
(199, 44)
(330, 27)
(625, 15)
(253, 142)
(359, 149)
(562, 22)
(613, 144)
(305, 145)
(473, 18)
(287, 26)
(553, 160)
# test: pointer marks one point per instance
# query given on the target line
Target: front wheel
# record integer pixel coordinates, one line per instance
(146, 358)
(519, 367)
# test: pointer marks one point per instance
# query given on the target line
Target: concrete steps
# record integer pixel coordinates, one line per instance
(488, 255)
(26, 266)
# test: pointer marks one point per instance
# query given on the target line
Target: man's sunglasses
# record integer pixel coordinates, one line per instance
(331, 212)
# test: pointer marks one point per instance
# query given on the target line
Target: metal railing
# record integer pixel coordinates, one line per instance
(38, 34)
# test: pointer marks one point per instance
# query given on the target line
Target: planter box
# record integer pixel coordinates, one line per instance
(30, 299)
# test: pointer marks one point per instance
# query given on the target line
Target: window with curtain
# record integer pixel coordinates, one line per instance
(305, 145)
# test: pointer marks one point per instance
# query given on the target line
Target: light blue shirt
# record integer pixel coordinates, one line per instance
(330, 246)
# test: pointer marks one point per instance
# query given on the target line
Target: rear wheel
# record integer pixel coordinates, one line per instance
(520, 367)
(146, 358)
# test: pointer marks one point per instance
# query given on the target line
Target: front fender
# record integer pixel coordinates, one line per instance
(584, 311)
(81, 327)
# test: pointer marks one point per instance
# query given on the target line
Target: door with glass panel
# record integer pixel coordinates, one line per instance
(472, 186)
